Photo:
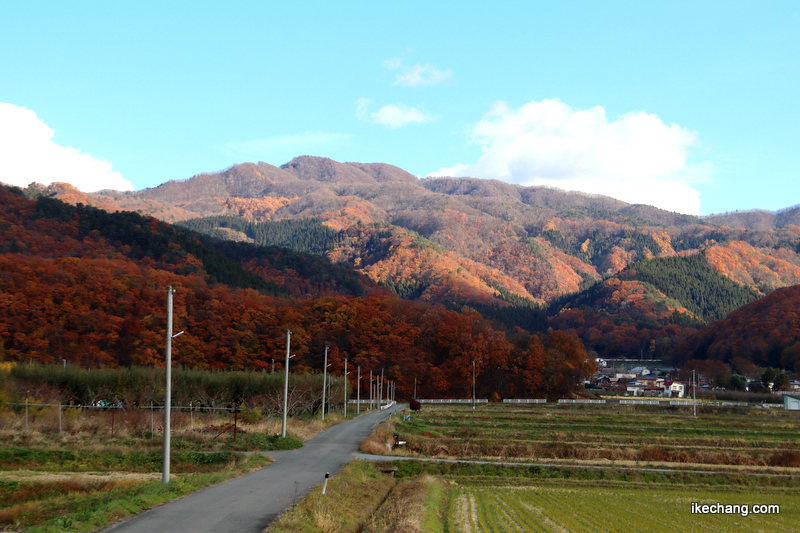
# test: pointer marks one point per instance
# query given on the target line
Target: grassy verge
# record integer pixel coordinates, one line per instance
(96, 469)
(415, 505)
(362, 499)
(80, 504)
(351, 498)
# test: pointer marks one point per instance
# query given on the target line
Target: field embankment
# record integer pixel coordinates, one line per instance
(612, 468)
(748, 438)
(90, 467)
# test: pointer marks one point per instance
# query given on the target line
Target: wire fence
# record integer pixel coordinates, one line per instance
(51, 417)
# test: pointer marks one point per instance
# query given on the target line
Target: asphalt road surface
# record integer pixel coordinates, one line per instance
(251, 502)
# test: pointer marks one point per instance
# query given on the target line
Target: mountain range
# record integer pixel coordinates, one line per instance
(502, 249)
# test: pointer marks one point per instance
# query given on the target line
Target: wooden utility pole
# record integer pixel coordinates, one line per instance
(167, 389)
(286, 381)
(345, 388)
(324, 380)
(473, 385)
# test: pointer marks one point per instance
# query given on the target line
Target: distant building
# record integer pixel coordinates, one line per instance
(676, 389)
(791, 402)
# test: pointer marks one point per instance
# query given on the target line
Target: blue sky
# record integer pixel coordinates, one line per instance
(691, 106)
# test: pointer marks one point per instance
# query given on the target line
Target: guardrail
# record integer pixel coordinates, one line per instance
(524, 400)
(112, 406)
(448, 400)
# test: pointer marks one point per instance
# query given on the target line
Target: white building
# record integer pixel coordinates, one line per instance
(675, 389)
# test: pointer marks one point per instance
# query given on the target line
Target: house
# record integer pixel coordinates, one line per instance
(791, 402)
(675, 389)
(651, 381)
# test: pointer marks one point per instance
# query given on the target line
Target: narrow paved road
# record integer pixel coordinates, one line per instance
(250, 502)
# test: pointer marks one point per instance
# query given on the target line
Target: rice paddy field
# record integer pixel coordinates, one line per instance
(745, 438)
(602, 509)
(608, 468)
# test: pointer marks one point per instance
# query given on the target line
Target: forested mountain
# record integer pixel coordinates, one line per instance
(758, 219)
(501, 249)
(765, 332)
(461, 238)
(87, 287)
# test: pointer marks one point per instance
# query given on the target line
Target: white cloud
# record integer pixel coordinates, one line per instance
(28, 154)
(635, 158)
(392, 115)
(362, 108)
(416, 75)
(399, 115)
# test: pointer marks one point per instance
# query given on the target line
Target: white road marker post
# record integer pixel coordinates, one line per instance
(325, 484)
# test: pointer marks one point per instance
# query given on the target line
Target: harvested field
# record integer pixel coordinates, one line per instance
(603, 434)
(617, 510)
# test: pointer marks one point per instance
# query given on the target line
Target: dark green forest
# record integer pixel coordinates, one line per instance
(691, 281)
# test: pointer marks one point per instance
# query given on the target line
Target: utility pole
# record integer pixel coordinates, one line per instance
(358, 391)
(324, 380)
(694, 392)
(286, 381)
(168, 388)
(473, 385)
(380, 390)
(415, 388)
(345, 388)
(370, 389)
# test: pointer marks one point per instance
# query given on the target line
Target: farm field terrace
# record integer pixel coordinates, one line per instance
(525, 509)
(613, 468)
(747, 439)
(470, 496)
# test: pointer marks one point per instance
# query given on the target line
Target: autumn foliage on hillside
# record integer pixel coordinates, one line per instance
(765, 332)
(491, 237)
(507, 251)
(628, 319)
(89, 288)
(764, 268)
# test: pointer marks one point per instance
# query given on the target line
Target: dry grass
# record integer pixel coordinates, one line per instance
(352, 497)
(404, 509)
(35, 496)
(753, 439)
(107, 430)
(379, 443)
(118, 441)
(381, 440)
(586, 452)
(82, 477)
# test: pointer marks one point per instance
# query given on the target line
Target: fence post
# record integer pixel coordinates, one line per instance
(235, 420)
(60, 428)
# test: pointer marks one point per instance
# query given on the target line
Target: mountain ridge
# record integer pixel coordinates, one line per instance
(469, 240)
